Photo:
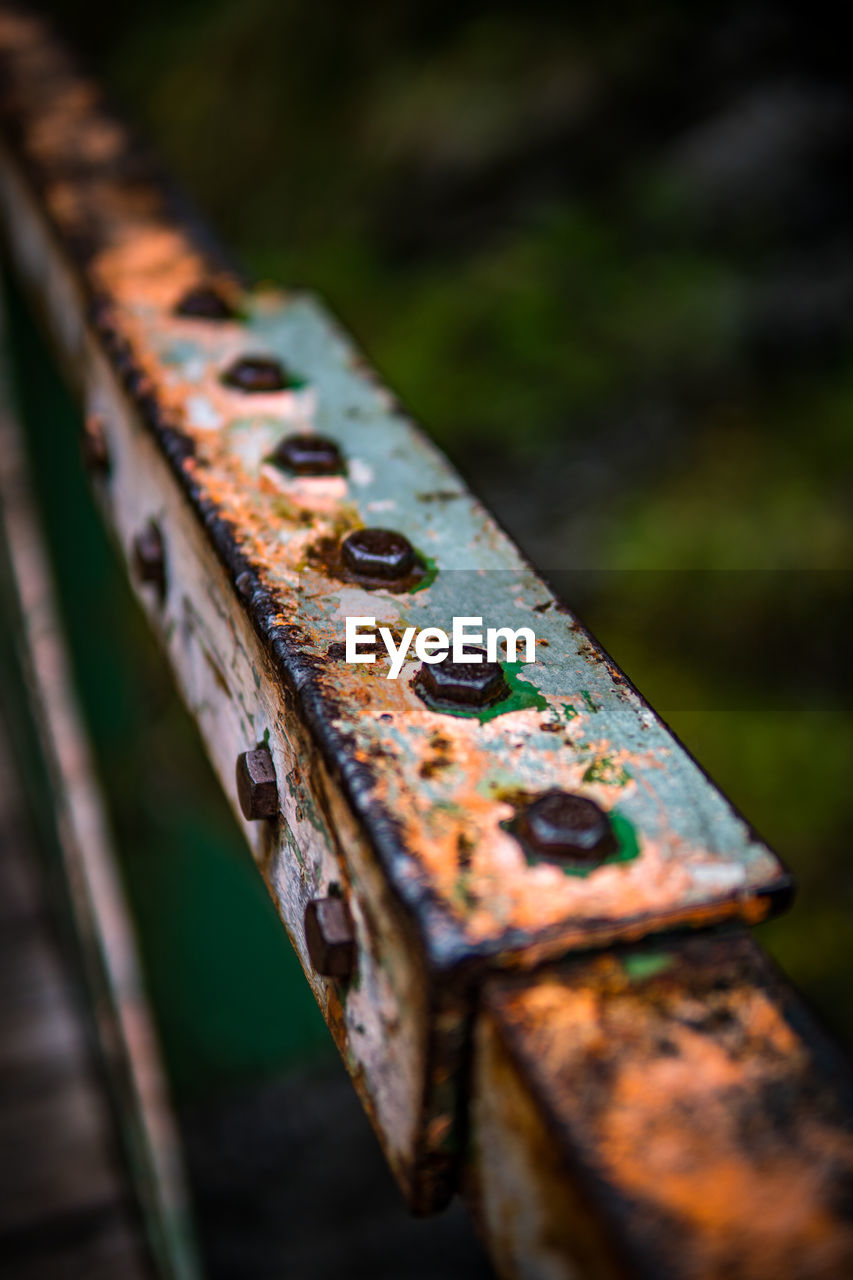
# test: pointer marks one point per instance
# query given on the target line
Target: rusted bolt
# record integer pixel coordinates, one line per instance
(256, 374)
(330, 937)
(566, 827)
(257, 789)
(378, 553)
(462, 684)
(204, 302)
(149, 557)
(93, 445)
(307, 455)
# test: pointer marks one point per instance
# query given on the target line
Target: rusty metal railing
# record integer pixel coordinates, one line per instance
(446, 854)
(101, 919)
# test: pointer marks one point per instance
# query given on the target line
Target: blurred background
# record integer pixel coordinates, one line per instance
(604, 254)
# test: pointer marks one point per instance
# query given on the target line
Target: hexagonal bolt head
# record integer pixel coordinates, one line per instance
(257, 789)
(307, 455)
(149, 557)
(93, 445)
(256, 374)
(567, 827)
(330, 938)
(204, 302)
(462, 684)
(378, 554)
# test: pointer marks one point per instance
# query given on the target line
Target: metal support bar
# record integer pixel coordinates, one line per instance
(101, 921)
(671, 1110)
(412, 832)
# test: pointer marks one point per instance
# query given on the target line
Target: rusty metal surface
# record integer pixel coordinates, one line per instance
(432, 791)
(399, 1034)
(189, 384)
(667, 1111)
(670, 1111)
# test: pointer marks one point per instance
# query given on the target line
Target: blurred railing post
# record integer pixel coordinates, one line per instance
(101, 922)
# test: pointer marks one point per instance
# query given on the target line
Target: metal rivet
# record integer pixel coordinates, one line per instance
(204, 302)
(330, 937)
(462, 684)
(378, 553)
(256, 374)
(93, 445)
(308, 455)
(257, 789)
(149, 557)
(566, 827)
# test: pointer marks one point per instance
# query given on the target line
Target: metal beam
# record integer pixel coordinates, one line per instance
(396, 830)
(671, 1110)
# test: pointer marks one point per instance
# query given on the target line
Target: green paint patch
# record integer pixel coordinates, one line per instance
(291, 512)
(570, 712)
(591, 705)
(646, 964)
(626, 837)
(605, 769)
(247, 719)
(304, 807)
(293, 846)
(627, 848)
(522, 695)
(429, 577)
(462, 893)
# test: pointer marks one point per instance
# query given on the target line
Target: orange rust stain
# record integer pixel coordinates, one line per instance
(664, 1089)
(150, 263)
(144, 263)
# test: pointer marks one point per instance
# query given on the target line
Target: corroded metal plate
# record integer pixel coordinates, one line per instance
(668, 1111)
(404, 810)
(434, 792)
(438, 790)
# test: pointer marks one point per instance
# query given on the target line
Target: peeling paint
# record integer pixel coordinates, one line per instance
(402, 805)
(671, 1112)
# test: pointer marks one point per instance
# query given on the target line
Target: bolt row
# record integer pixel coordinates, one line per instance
(373, 556)
(559, 826)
